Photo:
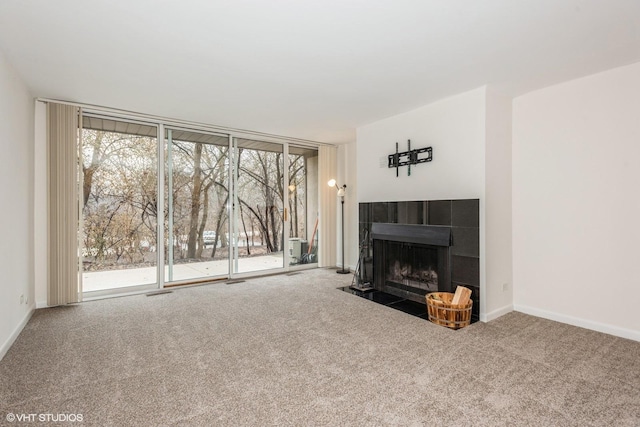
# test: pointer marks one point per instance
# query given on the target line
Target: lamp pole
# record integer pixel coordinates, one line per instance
(343, 270)
(341, 191)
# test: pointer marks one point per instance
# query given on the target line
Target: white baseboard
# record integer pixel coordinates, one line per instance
(350, 267)
(12, 338)
(41, 304)
(583, 323)
(488, 317)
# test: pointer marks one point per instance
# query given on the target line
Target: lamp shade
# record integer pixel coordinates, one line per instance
(332, 183)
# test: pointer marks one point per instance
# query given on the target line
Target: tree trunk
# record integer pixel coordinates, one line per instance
(203, 223)
(219, 222)
(267, 232)
(87, 173)
(253, 232)
(195, 201)
(246, 236)
(293, 208)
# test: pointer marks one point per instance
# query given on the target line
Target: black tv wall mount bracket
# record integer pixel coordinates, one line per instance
(410, 157)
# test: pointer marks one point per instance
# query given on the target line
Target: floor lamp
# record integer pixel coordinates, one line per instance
(341, 191)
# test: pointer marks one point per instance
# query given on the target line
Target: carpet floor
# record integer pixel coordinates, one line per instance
(294, 350)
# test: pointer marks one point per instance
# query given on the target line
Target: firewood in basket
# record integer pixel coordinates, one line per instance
(462, 296)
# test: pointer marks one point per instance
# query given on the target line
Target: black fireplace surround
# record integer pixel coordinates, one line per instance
(417, 247)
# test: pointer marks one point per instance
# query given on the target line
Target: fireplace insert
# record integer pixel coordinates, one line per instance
(411, 260)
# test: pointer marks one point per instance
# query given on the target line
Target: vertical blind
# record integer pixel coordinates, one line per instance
(62, 147)
(327, 168)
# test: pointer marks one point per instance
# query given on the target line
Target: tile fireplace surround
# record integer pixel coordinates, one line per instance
(462, 216)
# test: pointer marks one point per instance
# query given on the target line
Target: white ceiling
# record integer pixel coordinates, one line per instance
(306, 69)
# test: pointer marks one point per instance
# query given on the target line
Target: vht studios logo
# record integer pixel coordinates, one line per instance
(50, 418)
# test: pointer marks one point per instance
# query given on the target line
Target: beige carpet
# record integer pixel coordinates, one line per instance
(293, 350)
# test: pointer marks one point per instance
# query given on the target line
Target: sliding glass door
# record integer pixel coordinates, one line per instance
(302, 200)
(275, 209)
(197, 196)
(259, 217)
(229, 206)
(118, 200)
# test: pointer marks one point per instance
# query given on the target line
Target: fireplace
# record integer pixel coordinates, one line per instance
(410, 261)
(450, 227)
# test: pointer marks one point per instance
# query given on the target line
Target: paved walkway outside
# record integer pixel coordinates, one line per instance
(113, 279)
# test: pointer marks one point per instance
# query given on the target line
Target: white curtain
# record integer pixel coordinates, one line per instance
(62, 147)
(327, 243)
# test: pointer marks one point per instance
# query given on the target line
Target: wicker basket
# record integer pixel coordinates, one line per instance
(442, 312)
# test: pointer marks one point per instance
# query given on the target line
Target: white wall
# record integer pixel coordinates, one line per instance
(454, 127)
(16, 216)
(40, 206)
(576, 202)
(497, 298)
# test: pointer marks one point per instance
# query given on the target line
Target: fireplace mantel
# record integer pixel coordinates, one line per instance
(434, 235)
